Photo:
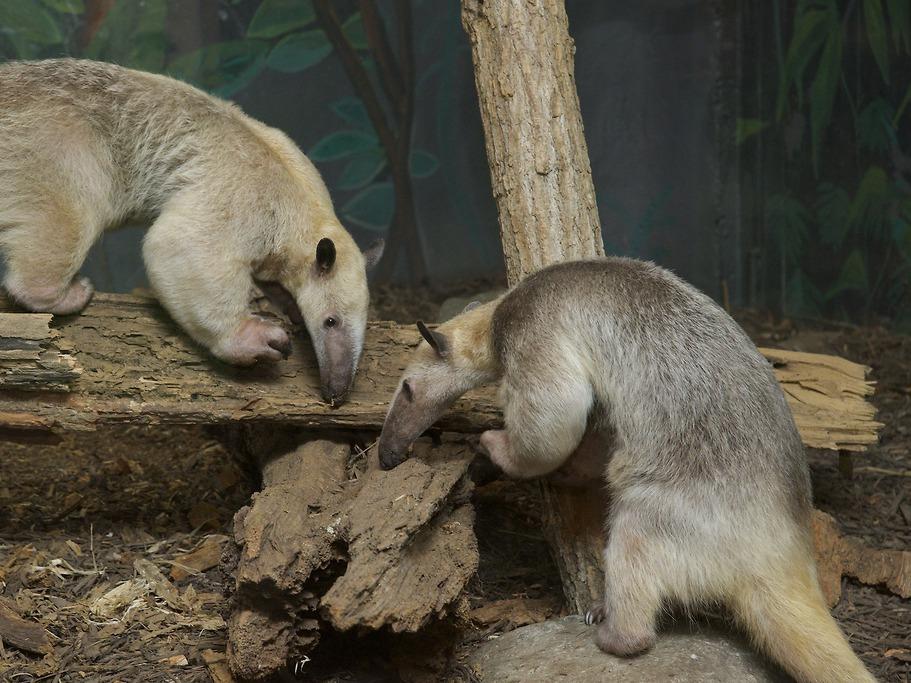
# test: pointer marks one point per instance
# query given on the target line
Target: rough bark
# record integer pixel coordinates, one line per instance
(347, 547)
(139, 368)
(539, 167)
(541, 178)
(31, 356)
(838, 556)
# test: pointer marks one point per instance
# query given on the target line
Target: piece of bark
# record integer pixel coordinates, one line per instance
(21, 633)
(411, 544)
(206, 556)
(323, 548)
(838, 555)
(827, 397)
(30, 356)
(285, 535)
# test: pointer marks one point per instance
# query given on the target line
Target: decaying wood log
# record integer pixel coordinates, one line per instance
(330, 544)
(138, 367)
(31, 355)
(827, 398)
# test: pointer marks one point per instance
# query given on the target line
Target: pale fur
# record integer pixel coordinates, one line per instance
(85, 146)
(708, 480)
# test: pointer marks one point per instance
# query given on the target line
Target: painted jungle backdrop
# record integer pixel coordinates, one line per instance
(758, 149)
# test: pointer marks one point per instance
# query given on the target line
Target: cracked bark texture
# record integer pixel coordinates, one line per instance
(541, 179)
(332, 542)
(539, 166)
(138, 367)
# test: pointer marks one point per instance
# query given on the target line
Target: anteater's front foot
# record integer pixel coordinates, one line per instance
(623, 643)
(255, 340)
(71, 299)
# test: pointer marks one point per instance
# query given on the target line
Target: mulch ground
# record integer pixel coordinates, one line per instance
(82, 522)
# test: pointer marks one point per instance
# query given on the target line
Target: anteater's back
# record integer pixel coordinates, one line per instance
(688, 393)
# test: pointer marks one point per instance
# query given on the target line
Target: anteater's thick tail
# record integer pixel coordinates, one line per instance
(787, 617)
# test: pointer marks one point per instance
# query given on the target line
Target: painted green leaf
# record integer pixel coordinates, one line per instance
(276, 17)
(802, 297)
(353, 29)
(875, 130)
(29, 22)
(423, 163)
(870, 205)
(901, 236)
(222, 68)
(900, 21)
(832, 209)
(341, 144)
(299, 51)
(822, 92)
(787, 219)
(853, 276)
(747, 128)
(876, 35)
(809, 36)
(66, 6)
(372, 207)
(362, 169)
(132, 34)
(352, 110)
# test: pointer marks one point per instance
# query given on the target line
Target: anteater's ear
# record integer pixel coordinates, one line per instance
(438, 341)
(470, 307)
(374, 253)
(325, 255)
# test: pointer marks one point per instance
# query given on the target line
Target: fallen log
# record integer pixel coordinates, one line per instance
(138, 367)
(330, 543)
(31, 356)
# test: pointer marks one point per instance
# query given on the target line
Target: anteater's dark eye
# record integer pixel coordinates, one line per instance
(331, 322)
(407, 390)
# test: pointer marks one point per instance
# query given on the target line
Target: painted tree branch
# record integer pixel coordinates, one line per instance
(395, 139)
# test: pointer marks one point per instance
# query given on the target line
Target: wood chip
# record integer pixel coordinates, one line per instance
(22, 634)
(159, 585)
(204, 515)
(205, 557)
(217, 665)
(514, 612)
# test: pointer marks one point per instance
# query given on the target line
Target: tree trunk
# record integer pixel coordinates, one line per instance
(539, 167)
(541, 178)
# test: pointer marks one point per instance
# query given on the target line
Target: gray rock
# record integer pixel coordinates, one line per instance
(564, 650)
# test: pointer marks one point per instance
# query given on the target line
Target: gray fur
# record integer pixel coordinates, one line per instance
(708, 480)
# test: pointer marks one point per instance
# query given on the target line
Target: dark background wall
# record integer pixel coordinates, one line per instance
(709, 154)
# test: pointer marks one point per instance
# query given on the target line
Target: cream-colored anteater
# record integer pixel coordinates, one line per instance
(708, 480)
(85, 146)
